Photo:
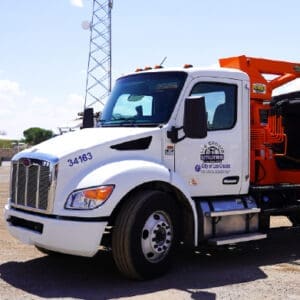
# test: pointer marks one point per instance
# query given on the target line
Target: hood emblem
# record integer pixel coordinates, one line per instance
(26, 162)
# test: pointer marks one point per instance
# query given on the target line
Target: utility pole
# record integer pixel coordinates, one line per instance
(98, 80)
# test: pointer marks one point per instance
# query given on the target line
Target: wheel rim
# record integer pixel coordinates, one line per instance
(157, 236)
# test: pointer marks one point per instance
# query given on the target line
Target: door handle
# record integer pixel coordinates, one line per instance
(231, 180)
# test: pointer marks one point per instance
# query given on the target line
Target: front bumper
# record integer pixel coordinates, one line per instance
(71, 237)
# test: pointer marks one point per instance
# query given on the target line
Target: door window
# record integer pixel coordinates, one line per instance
(220, 102)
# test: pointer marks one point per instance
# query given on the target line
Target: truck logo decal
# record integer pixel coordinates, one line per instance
(169, 150)
(212, 157)
(26, 162)
(259, 88)
(212, 153)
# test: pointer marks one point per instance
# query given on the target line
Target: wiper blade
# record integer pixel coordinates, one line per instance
(130, 123)
(119, 122)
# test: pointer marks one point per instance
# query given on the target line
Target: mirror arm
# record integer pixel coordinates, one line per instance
(173, 134)
(88, 118)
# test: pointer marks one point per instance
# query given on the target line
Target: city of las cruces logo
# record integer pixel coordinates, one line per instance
(212, 157)
(212, 154)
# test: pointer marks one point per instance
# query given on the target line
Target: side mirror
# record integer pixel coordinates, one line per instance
(195, 118)
(88, 118)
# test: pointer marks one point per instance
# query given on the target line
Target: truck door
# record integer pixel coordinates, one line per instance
(215, 165)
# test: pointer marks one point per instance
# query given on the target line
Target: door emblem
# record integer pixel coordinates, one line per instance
(212, 159)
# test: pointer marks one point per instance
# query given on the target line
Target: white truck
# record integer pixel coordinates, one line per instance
(178, 156)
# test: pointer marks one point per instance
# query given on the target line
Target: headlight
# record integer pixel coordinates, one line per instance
(89, 198)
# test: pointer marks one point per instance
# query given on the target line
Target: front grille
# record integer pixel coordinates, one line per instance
(30, 184)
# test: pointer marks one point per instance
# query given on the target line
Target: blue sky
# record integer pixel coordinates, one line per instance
(44, 50)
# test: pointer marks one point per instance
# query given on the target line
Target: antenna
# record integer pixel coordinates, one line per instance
(163, 61)
(98, 80)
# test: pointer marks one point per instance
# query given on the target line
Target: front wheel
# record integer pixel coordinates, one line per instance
(145, 234)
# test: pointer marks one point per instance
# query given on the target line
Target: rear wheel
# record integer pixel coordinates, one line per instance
(145, 234)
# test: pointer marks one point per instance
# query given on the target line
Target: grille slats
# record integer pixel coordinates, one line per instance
(30, 184)
(44, 188)
(21, 182)
(14, 180)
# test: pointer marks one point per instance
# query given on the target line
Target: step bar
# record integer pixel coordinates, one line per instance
(238, 238)
(235, 212)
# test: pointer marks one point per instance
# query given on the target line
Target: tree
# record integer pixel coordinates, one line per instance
(36, 135)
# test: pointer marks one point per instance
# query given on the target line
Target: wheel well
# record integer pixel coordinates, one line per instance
(186, 233)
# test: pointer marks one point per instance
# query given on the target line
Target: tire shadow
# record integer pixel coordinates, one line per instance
(193, 271)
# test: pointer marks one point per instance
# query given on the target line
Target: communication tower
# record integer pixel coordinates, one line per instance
(98, 80)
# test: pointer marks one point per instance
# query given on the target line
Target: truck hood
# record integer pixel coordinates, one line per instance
(74, 156)
(81, 140)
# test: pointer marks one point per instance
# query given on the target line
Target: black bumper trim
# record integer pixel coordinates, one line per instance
(22, 223)
(64, 218)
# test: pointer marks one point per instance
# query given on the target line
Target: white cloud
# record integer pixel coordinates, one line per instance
(10, 94)
(39, 101)
(75, 99)
(10, 88)
(19, 110)
(47, 114)
(289, 87)
(78, 3)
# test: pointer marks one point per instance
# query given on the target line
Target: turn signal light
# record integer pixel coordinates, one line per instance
(101, 193)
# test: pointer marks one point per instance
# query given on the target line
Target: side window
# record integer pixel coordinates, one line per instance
(220, 102)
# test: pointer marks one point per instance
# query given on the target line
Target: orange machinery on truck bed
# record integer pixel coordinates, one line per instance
(275, 121)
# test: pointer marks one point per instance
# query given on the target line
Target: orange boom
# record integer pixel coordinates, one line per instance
(275, 149)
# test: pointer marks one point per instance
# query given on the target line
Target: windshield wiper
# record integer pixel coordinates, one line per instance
(133, 122)
(128, 122)
(122, 121)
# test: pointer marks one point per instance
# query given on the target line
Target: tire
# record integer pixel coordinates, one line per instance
(145, 235)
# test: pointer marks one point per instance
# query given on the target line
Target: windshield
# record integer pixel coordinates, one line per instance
(143, 99)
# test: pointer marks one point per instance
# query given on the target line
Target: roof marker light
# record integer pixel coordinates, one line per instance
(187, 66)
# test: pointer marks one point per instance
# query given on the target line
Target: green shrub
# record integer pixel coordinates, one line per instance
(6, 143)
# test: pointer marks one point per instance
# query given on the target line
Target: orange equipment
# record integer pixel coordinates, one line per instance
(268, 136)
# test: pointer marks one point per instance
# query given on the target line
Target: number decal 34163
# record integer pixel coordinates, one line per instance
(80, 159)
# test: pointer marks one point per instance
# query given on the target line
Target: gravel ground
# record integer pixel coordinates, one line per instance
(268, 269)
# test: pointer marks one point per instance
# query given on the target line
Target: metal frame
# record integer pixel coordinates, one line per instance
(98, 81)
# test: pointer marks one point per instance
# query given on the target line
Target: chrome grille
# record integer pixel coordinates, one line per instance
(31, 181)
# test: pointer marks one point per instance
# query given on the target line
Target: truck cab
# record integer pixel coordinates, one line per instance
(168, 162)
